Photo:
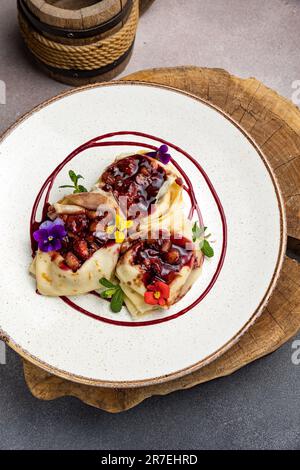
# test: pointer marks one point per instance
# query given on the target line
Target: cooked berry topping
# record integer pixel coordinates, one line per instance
(86, 233)
(162, 259)
(137, 178)
(72, 261)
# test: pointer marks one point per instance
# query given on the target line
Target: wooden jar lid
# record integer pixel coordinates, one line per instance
(75, 19)
(76, 14)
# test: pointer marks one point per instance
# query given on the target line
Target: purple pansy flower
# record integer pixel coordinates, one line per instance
(50, 234)
(161, 154)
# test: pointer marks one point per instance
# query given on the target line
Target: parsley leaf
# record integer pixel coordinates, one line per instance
(207, 249)
(197, 231)
(73, 176)
(78, 188)
(117, 301)
(108, 293)
(81, 189)
(113, 292)
(106, 283)
(198, 234)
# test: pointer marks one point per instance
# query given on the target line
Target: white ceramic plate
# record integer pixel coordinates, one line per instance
(239, 200)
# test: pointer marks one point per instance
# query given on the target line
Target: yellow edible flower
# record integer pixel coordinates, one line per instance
(120, 228)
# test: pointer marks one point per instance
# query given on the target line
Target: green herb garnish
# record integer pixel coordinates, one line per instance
(78, 188)
(204, 245)
(114, 293)
(207, 250)
(198, 232)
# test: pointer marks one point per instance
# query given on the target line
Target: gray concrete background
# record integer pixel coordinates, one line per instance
(258, 406)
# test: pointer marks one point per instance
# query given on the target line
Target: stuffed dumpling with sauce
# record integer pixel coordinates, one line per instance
(145, 189)
(83, 253)
(157, 272)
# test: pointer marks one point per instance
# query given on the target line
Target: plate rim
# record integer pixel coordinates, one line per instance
(225, 347)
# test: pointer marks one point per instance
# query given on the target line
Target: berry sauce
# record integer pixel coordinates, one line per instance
(137, 178)
(163, 258)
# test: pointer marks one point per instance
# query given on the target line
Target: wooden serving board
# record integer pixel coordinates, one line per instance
(274, 124)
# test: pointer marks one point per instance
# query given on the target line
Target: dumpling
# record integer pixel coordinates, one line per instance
(74, 248)
(157, 272)
(144, 188)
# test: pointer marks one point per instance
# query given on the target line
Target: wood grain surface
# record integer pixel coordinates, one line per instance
(75, 14)
(274, 123)
(271, 120)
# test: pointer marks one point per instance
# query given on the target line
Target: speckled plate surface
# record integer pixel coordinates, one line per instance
(239, 200)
